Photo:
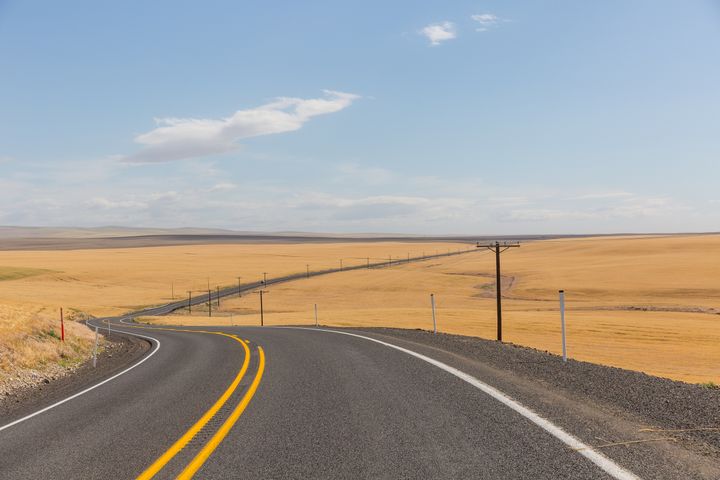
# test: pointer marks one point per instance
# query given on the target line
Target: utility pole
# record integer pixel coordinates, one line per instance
(264, 278)
(239, 287)
(498, 249)
(189, 301)
(209, 303)
(218, 295)
(262, 311)
(307, 269)
(389, 260)
(408, 257)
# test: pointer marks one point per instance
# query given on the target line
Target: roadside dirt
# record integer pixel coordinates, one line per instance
(45, 389)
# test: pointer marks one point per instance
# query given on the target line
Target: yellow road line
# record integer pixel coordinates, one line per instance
(153, 469)
(222, 432)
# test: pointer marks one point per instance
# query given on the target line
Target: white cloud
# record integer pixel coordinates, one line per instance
(439, 32)
(222, 187)
(486, 20)
(181, 138)
(107, 204)
(601, 195)
(351, 172)
(621, 207)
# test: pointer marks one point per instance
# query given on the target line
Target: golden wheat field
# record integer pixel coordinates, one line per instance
(643, 303)
(101, 282)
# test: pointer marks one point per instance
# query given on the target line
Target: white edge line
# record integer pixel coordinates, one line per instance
(607, 465)
(43, 410)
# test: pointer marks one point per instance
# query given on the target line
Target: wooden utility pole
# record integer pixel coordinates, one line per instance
(189, 301)
(498, 249)
(262, 311)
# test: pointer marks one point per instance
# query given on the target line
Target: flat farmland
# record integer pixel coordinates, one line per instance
(34, 284)
(112, 281)
(643, 303)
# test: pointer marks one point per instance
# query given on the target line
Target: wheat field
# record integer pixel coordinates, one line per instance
(102, 282)
(643, 303)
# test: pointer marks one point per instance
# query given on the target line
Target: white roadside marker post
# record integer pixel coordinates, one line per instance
(562, 324)
(432, 304)
(95, 349)
(316, 319)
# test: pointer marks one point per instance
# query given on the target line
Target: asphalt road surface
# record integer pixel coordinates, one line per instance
(289, 403)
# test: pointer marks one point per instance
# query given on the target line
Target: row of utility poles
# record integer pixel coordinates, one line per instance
(497, 248)
(262, 290)
(264, 282)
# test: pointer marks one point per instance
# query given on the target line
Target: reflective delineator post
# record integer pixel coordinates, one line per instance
(432, 304)
(562, 324)
(95, 350)
(316, 319)
(62, 325)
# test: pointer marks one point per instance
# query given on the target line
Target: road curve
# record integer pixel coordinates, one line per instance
(326, 406)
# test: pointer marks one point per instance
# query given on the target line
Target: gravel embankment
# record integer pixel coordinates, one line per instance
(29, 390)
(668, 405)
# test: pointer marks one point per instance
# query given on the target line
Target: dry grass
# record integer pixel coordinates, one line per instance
(605, 278)
(112, 281)
(30, 339)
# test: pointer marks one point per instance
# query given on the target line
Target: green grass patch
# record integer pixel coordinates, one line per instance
(712, 385)
(16, 273)
(52, 334)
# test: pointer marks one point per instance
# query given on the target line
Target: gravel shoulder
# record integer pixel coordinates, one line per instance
(54, 385)
(667, 425)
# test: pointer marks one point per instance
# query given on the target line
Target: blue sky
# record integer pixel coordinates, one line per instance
(482, 117)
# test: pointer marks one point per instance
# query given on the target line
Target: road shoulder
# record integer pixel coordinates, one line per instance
(121, 350)
(666, 425)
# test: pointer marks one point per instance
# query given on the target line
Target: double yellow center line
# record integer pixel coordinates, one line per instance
(224, 429)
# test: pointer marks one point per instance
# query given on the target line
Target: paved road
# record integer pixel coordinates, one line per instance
(309, 404)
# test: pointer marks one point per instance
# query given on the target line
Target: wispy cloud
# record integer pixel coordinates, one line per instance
(222, 187)
(181, 138)
(352, 172)
(486, 20)
(601, 195)
(439, 32)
